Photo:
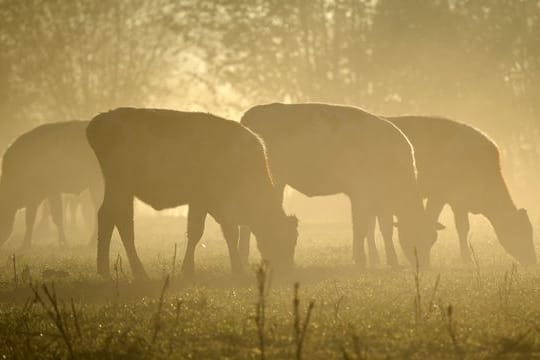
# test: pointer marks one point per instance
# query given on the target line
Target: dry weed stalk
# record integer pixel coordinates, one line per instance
(157, 318)
(263, 284)
(476, 263)
(360, 351)
(173, 267)
(15, 275)
(418, 294)
(300, 327)
(50, 305)
(450, 326)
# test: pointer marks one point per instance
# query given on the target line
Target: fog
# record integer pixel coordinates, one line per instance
(476, 62)
(335, 65)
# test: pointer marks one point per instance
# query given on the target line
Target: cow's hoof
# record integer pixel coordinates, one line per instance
(24, 248)
(105, 276)
(360, 264)
(393, 263)
(188, 272)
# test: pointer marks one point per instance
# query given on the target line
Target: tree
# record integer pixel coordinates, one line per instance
(70, 60)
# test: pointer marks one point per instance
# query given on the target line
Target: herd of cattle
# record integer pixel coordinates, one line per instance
(236, 172)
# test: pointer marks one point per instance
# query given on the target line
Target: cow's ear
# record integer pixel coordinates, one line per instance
(439, 226)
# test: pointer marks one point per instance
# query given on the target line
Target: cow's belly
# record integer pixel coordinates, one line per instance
(44, 186)
(316, 173)
(316, 185)
(160, 199)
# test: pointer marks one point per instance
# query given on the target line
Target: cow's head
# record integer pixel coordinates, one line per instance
(278, 242)
(7, 218)
(417, 234)
(516, 236)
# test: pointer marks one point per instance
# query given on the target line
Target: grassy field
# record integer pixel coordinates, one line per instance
(59, 308)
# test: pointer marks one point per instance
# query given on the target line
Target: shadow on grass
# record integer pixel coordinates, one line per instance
(125, 290)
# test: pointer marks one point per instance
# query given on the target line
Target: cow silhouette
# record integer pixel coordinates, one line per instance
(43, 164)
(170, 158)
(460, 166)
(322, 149)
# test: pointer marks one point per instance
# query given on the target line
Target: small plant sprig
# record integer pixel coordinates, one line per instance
(52, 309)
(158, 325)
(15, 275)
(117, 270)
(360, 351)
(418, 294)
(173, 265)
(300, 327)
(419, 314)
(505, 288)
(432, 304)
(450, 326)
(263, 277)
(76, 321)
(476, 263)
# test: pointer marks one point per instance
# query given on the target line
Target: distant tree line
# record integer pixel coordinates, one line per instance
(70, 59)
(477, 61)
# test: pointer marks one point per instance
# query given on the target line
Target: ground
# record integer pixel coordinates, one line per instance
(483, 310)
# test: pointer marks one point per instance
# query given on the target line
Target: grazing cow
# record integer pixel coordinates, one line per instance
(322, 149)
(42, 164)
(170, 158)
(72, 204)
(460, 166)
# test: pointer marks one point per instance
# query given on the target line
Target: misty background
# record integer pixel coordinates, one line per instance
(477, 62)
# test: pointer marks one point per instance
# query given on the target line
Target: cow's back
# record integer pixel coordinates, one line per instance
(53, 157)
(323, 149)
(452, 158)
(167, 158)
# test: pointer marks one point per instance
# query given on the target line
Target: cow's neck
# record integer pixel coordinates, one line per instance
(8, 208)
(498, 207)
(262, 210)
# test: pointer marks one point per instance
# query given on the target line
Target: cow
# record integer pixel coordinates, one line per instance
(73, 204)
(42, 164)
(168, 158)
(323, 149)
(460, 166)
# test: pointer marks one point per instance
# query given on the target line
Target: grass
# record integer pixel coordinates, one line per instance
(62, 309)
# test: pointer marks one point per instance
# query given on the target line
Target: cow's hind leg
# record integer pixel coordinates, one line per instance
(461, 218)
(44, 217)
(434, 208)
(124, 223)
(195, 229)
(243, 244)
(372, 247)
(90, 214)
(30, 217)
(386, 226)
(106, 223)
(360, 220)
(55, 202)
(230, 232)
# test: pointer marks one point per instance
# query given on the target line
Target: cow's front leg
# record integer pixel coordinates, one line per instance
(231, 234)
(195, 229)
(360, 219)
(386, 226)
(31, 210)
(243, 244)
(57, 214)
(372, 247)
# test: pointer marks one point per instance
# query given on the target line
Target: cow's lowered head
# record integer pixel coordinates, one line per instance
(278, 242)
